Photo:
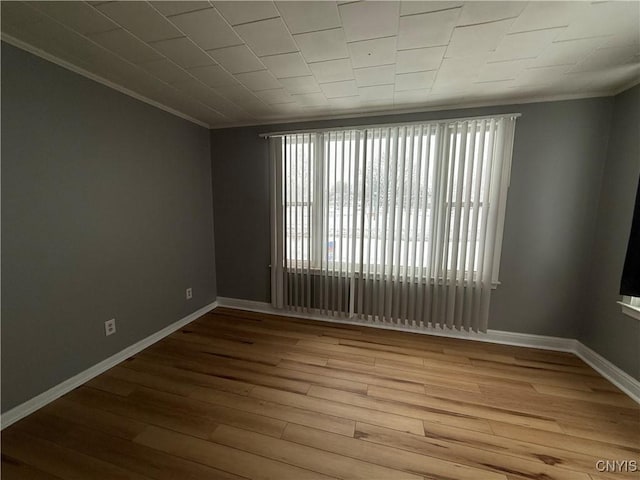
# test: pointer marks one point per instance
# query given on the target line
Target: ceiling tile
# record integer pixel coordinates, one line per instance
(606, 58)
(612, 79)
(79, 16)
(267, 37)
(26, 32)
(213, 76)
(459, 87)
(474, 13)
(525, 44)
(221, 105)
(286, 109)
(197, 110)
(414, 6)
(419, 59)
(475, 39)
(369, 53)
(345, 88)
(595, 52)
(492, 87)
(16, 13)
(238, 93)
(184, 52)
(259, 109)
(51, 36)
(624, 39)
(541, 75)
(165, 70)
(541, 15)
(332, 70)
(196, 89)
(141, 19)
(427, 29)
(604, 18)
(318, 110)
(126, 45)
(503, 70)
(237, 13)
(237, 59)
(344, 103)
(528, 89)
(367, 20)
(370, 76)
(256, 81)
(409, 97)
(415, 80)
(207, 29)
(169, 8)
(324, 45)
(286, 65)
(377, 92)
(298, 85)
(211, 98)
(310, 99)
(569, 51)
(275, 96)
(456, 71)
(303, 17)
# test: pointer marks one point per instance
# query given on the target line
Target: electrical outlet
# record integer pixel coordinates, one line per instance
(110, 327)
(189, 293)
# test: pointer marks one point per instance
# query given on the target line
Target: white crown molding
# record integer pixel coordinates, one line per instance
(30, 406)
(96, 78)
(608, 370)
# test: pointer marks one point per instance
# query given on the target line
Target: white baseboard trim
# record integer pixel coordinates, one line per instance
(492, 336)
(615, 375)
(30, 406)
(608, 370)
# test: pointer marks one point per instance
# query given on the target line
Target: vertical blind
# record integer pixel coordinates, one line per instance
(396, 225)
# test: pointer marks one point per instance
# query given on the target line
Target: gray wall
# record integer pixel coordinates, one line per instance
(605, 329)
(106, 212)
(557, 167)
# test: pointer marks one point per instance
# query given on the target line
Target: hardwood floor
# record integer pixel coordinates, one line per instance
(245, 395)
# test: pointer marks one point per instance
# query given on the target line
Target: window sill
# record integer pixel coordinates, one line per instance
(630, 311)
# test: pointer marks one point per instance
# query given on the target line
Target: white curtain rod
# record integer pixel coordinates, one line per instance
(382, 125)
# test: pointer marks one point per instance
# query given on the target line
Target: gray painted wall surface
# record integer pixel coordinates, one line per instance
(604, 328)
(106, 212)
(557, 167)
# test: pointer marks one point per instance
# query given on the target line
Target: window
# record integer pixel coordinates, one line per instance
(631, 306)
(630, 281)
(389, 208)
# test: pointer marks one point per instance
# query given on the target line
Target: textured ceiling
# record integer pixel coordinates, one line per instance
(241, 62)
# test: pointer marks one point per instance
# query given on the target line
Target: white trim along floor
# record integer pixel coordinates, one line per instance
(615, 375)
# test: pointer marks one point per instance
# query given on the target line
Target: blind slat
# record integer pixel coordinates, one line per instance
(399, 225)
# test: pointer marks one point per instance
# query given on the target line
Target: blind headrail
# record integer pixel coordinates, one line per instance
(282, 133)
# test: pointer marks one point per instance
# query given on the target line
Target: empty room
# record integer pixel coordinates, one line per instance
(298, 240)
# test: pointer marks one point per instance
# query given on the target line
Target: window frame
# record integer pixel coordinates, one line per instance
(318, 248)
(630, 306)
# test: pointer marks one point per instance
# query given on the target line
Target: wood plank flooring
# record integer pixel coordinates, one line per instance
(244, 395)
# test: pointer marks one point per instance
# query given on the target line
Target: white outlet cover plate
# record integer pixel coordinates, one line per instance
(110, 327)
